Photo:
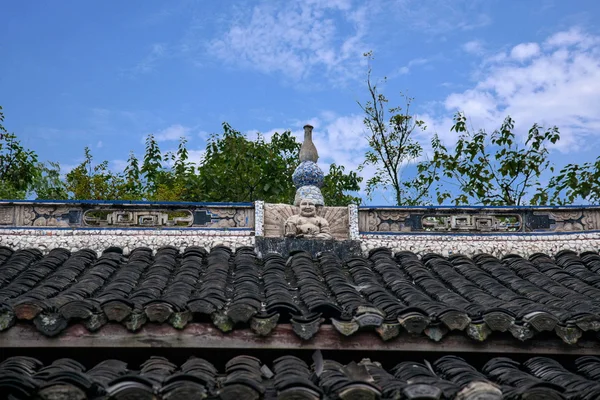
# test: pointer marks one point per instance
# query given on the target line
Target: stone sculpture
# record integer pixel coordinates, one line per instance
(308, 177)
(307, 224)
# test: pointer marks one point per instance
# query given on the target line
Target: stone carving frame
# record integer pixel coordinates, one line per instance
(480, 220)
(275, 216)
(128, 215)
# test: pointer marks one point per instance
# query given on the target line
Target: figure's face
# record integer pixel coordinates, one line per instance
(308, 208)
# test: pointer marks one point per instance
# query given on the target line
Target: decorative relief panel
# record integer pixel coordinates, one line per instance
(479, 220)
(129, 216)
(388, 221)
(7, 216)
(576, 220)
(52, 216)
(466, 223)
(138, 218)
(277, 214)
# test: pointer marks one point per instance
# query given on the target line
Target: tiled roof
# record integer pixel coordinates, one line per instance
(385, 292)
(289, 377)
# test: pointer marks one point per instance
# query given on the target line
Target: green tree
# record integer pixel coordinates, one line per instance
(576, 182)
(155, 180)
(133, 187)
(19, 168)
(391, 137)
(94, 182)
(49, 184)
(152, 164)
(336, 185)
(235, 168)
(489, 169)
(173, 183)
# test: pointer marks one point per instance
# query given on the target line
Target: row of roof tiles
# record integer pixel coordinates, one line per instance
(288, 378)
(385, 292)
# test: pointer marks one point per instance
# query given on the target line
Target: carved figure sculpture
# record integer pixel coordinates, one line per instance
(307, 224)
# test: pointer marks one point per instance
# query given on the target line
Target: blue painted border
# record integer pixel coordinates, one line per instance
(477, 207)
(66, 228)
(127, 202)
(478, 234)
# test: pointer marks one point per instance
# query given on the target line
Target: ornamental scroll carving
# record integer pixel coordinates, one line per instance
(59, 216)
(573, 221)
(208, 218)
(138, 218)
(387, 221)
(475, 220)
(469, 223)
(105, 216)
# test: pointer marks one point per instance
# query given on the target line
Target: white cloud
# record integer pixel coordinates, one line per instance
(196, 156)
(572, 37)
(99, 144)
(403, 70)
(525, 51)
(339, 139)
(556, 82)
(118, 165)
(66, 168)
(297, 39)
(148, 63)
(203, 134)
(173, 132)
(407, 68)
(473, 47)
(438, 17)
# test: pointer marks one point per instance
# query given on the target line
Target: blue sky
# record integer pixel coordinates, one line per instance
(104, 74)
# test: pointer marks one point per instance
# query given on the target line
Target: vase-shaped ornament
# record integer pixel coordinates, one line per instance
(308, 177)
(308, 151)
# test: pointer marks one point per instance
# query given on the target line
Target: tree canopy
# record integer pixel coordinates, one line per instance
(489, 169)
(19, 168)
(391, 138)
(497, 168)
(479, 168)
(233, 168)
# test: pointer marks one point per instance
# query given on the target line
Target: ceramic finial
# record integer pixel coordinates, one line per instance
(308, 151)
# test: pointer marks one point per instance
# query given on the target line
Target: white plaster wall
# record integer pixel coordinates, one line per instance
(353, 221)
(99, 240)
(498, 245)
(259, 218)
